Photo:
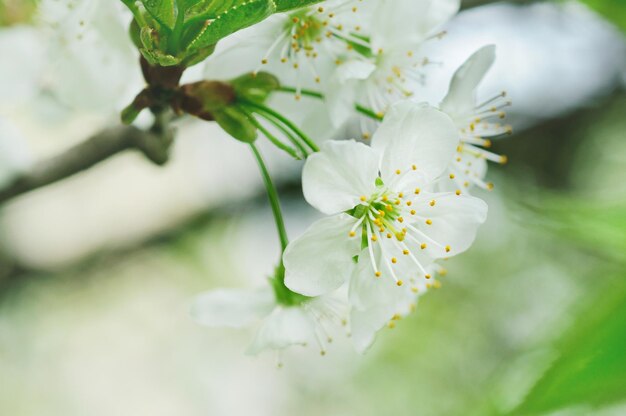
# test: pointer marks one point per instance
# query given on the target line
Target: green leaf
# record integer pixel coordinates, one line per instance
(231, 20)
(592, 362)
(612, 10)
(163, 11)
(237, 124)
(286, 5)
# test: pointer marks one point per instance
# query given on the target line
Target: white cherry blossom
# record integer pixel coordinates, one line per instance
(478, 122)
(382, 210)
(390, 63)
(309, 322)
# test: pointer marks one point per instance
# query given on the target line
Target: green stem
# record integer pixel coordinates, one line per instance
(272, 195)
(315, 94)
(249, 110)
(268, 111)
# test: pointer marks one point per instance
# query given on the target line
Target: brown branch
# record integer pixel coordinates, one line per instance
(154, 144)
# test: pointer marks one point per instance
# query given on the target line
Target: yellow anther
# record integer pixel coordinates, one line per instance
(432, 203)
(322, 353)
(374, 238)
(490, 186)
(427, 276)
(389, 207)
(414, 290)
(412, 212)
(428, 286)
(417, 191)
(409, 203)
(391, 325)
(414, 167)
(405, 252)
(447, 249)
(397, 202)
(363, 198)
(504, 159)
(378, 274)
(394, 260)
(381, 229)
(400, 219)
(400, 236)
(443, 272)
(398, 172)
(423, 246)
(320, 9)
(385, 198)
(487, 143)
(389, 235)
(400, 195)
(264, 61)
(466, 184)
(352, 234)
(399, 283)
(381, 212)
(458, 192)
(452, 176)
(429, 222)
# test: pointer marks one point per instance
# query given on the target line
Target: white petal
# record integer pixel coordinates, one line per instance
(334, 178)
(341, 91)
(321, 259)
(402, 23)
(233, 308)
(415, 134)
(461, 98)
(283, 328)
(375, 300)
(455, 222)
(364, 324)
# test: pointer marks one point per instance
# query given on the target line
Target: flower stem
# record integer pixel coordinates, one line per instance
(272, 195)
(269, 112)
(316, 94)
(288, 149)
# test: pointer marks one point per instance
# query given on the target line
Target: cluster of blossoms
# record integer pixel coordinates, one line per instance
(397, 199)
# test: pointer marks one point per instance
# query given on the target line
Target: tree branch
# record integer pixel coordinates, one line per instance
(154, 144)
(468, 4)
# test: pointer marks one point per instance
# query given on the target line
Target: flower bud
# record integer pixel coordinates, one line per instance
(255, 87)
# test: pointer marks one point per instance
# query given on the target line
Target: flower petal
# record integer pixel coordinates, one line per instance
(415, 134)
(454, 223)
(334, 178)
(401, 23)
(374, 301)
(341, 91)
(364, 325)
(232, 308)
(461, 98)
(321, 259)
(283, 328)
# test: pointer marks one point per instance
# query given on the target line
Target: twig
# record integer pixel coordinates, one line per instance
(154, 144)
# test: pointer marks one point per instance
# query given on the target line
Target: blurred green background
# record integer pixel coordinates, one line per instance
(532, 320)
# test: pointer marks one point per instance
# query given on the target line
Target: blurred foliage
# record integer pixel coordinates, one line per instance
(14, 12)
(612, 10)
(591, 365)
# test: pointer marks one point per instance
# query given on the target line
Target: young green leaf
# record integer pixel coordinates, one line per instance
(286, 5)
(239, 16)
(163, 11)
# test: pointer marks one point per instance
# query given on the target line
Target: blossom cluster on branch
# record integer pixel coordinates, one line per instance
(398, 197)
